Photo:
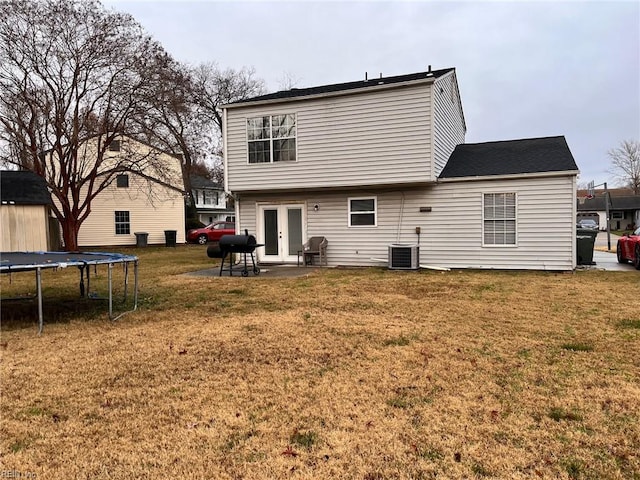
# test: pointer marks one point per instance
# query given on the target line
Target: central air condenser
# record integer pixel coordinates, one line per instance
(404, 256)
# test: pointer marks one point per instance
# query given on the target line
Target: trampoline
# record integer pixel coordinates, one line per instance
(11, 262)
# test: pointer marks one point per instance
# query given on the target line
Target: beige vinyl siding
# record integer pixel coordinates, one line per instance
(152, 208)
(385, 134)
(24, 228)
(449, 128)
(451, 234)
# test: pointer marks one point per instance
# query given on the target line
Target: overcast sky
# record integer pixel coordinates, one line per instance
(525, 69)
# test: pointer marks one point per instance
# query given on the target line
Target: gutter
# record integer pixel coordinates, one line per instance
(510, 176)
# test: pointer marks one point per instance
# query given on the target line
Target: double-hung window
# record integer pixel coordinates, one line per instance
(272, 138)
(123, 225)
(363, 211)
(499, 219)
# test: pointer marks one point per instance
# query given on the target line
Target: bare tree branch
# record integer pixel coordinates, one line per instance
(625, 164)
(71, 71)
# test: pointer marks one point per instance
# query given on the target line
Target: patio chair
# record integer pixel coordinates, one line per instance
(312, 247)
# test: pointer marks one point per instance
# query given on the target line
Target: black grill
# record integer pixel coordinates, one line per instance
(230, 244)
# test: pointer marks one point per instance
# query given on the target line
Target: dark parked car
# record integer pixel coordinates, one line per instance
(587, 224)
(211, 233)
(628, 248)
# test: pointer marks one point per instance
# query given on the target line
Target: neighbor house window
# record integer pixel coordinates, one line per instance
(362, 212)
(122, 223)
(272, 138)
(114, 146)
(499, 218)
(122, 181)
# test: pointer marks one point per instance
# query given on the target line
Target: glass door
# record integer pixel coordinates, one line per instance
(280, 228)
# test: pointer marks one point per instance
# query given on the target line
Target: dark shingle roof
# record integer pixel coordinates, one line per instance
(198, 181)
(631, 202)
(339, 87)
(511, 157)
(23, 188)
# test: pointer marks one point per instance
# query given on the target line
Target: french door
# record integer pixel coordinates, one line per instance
(280, 228)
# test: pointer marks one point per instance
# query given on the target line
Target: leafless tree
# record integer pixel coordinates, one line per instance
(184, 117)
(214, 87)
(625, 164)
(71, 71)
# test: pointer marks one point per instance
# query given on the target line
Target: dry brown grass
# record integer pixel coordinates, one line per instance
(366, 374)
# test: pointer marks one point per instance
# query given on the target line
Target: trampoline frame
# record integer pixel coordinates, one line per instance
(13, 262)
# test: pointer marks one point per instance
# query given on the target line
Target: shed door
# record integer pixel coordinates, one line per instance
(280, 228)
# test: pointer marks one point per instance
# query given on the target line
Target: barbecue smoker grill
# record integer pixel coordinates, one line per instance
(229, 244)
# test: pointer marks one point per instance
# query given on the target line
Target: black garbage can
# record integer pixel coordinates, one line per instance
(141, 239)
(170, 238)
(585, 243)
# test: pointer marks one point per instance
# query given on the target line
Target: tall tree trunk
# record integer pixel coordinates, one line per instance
(70, 229)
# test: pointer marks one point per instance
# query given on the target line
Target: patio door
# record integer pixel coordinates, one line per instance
(280, 228)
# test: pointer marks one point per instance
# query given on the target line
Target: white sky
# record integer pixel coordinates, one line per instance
(525, 69)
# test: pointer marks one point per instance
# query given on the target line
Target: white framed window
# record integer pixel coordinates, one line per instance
(499, 219)
(363, 211)
(123, 225)
(271, 138)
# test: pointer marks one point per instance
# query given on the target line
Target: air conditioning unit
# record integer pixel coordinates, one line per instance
(404, 256)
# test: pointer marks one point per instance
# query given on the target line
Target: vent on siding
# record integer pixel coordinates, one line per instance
(403, 256)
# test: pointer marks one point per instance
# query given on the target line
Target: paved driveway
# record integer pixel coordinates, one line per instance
(607, 260)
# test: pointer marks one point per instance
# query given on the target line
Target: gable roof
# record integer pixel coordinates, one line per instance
(510, 157)
(23, 188)
(597, 203)
(342, 87)
(198, 181)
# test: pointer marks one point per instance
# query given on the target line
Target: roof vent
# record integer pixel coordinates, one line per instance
(429, 73)
(366, 76)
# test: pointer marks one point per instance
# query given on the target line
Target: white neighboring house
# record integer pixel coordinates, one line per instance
(151, 201)
(372, 163)
(624, 208)
(211, 201)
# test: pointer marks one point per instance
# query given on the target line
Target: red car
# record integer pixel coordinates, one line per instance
(629, 248)
(211, 233)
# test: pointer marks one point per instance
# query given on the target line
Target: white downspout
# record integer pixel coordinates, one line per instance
(225, 163)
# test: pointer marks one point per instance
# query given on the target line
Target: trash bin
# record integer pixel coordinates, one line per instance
(141, 239)
(586, 240)
(170, 238)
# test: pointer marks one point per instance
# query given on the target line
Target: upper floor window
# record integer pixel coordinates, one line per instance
(363, 212)
(114, 146)
(122, 181)
(123, 225)
(499, 219)
(272, 138)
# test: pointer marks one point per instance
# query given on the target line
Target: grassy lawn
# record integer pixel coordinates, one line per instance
(346, 373)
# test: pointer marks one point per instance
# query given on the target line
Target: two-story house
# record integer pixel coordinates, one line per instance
(210, 200)
(378, 162)
(148, 198)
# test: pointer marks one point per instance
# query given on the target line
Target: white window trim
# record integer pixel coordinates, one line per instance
(515, 218)
(375, 211)
(116, 223)
(271, 162)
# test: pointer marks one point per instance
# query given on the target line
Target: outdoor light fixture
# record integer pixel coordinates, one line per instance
(316, 207)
